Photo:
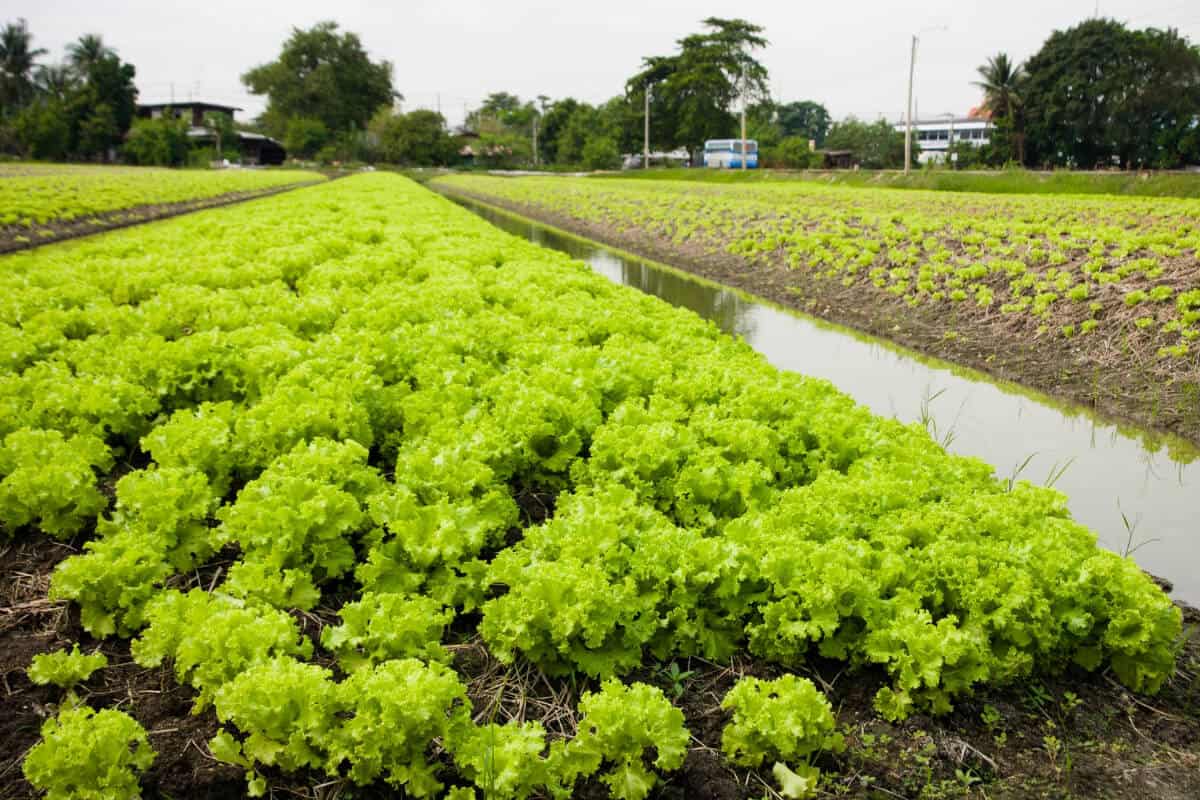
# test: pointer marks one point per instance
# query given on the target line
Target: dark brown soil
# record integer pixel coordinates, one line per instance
(1110, 743)
(19, 237)
(1110, 373)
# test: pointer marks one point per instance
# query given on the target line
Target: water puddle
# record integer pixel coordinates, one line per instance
(1139, 491)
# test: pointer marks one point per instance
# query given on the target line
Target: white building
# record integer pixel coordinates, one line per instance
(934, 136)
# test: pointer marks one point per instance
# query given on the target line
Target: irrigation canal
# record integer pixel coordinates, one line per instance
(1139, 490)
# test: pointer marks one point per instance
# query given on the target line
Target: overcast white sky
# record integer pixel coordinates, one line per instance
(853, 57)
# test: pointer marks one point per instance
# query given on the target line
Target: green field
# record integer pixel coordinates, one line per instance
(353, 466)
(1097, 298)
(34, 195)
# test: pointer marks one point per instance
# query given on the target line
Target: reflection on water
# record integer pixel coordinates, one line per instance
(1139, 491)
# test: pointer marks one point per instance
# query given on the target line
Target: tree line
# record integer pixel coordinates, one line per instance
(1095, 95)
(78, 108)
(1098, 95)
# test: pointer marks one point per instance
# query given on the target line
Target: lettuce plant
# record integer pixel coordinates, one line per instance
(89, 755)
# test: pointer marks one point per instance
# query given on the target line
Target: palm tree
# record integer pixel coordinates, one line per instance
(1001, 84)
(88, 51)
(16, 66)
(54, 80)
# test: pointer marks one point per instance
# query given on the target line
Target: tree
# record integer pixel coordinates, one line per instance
(418, 138)
(505, 109)
(600, 152)
(762, 124)
(806, 119)
(1100, 94)
(55, 80)
(694, 91)
(554, 120)
(102, 107)
(579, 127)
(1001, 82)
(17, 58)
(621, 120)
(86, 52)
(874, 145)
(97, 132)
(225, 132)
(80, 109)
(324, 76)
(503, 149)
(43, 130)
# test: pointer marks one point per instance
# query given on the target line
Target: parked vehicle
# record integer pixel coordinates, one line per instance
(728, 153)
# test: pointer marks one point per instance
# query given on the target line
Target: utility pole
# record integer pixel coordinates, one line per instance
(908, 115)
(646, 135)
(535, 150)
(745, 155)
(950, 142)
(912, 60)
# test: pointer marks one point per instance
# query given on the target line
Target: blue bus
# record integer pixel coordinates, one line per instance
(728, 153)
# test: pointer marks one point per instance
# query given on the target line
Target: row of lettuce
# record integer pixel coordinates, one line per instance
(1070, 265)
(351, 385)
(33, 195)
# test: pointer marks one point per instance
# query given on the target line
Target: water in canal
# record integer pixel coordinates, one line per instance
(1140, 492)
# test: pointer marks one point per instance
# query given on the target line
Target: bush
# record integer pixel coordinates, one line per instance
(503, 150)
(43, 131)
(418, 138)
(875, 145)
(161, 142)
(305, 137)
(794, 153)
(206, 156)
